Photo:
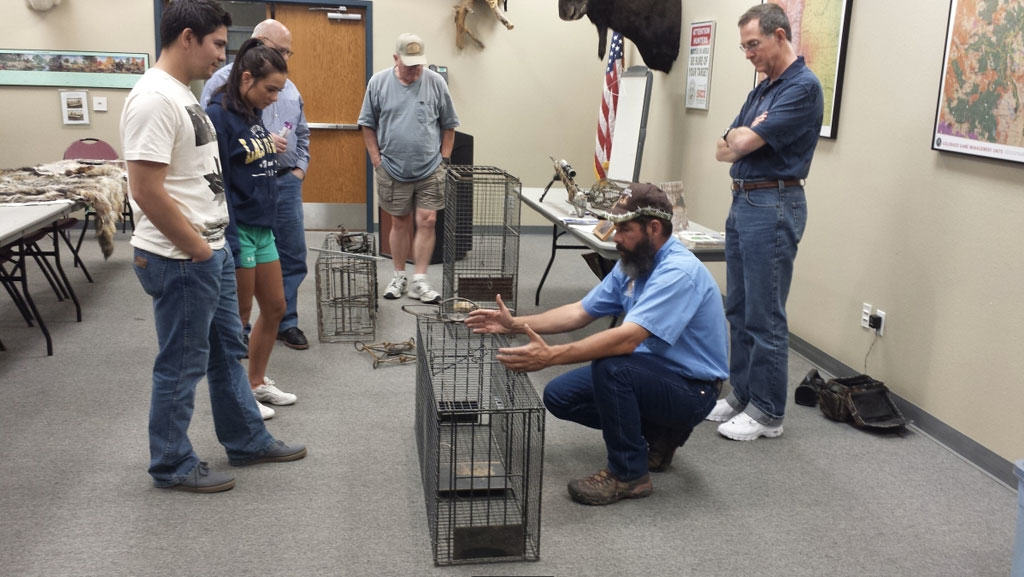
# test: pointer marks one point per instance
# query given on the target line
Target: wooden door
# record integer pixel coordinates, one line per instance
(329, 66)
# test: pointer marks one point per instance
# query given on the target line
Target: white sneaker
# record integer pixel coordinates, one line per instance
(396, 288)
(722, 412)
(422, 290)
(269, 393)
(743, 428)
(265, 411)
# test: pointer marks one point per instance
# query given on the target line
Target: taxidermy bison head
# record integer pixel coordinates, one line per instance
(653, 25)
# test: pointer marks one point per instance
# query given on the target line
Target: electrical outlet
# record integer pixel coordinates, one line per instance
(881, 323)
(865, 315)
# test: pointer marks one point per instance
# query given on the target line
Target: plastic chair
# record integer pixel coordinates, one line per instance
(90, 149)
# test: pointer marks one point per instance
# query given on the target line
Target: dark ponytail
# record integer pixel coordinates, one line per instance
(259, 60)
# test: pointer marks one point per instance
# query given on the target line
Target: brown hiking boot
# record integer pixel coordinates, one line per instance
(662, 445)
(602, 488)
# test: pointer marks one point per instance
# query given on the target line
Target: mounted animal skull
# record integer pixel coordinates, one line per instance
(653, 25)
(42, 5)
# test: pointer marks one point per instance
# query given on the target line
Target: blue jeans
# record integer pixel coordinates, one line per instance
(290, 236)
(761, 236)
(621, 396)
(195, 306)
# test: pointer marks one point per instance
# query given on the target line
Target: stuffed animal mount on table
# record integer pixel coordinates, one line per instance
(653, 25)
(464, 8)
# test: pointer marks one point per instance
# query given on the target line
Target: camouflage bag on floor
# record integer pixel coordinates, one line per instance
(861, 401)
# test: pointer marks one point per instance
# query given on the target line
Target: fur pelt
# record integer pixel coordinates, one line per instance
(102, 186)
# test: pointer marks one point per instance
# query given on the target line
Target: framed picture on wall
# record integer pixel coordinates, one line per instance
(820, 29)
(74, 107)
(978, 111)
(69, 68)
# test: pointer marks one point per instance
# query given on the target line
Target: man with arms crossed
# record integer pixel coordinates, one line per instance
(770, 145)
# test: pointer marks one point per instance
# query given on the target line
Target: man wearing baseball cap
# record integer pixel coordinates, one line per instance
(408, 123)
(652, 378)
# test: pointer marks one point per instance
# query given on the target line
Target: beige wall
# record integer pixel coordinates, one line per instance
(533, 92)
(30, 124)
(928, 237)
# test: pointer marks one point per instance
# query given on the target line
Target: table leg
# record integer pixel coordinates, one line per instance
(28, 296)
(554, 246)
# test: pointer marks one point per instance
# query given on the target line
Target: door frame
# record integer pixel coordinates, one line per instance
(158, 10)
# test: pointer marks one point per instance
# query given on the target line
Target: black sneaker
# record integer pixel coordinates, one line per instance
(293, 338)
(279, 452)
(202, 480)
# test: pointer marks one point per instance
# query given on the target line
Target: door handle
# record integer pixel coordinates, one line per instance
(332, 126)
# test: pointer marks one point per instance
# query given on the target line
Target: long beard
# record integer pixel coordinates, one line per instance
(638, 262)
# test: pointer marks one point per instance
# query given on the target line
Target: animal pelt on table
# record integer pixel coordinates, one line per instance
(465, 7)
(102, 186)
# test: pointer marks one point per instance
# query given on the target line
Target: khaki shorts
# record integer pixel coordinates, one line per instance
(398, 198)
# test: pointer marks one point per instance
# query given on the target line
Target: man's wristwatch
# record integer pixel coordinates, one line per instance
(445, 161)
(725, 136)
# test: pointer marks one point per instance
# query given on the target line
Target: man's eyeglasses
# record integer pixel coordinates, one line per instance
(751, 46)
(284, 52)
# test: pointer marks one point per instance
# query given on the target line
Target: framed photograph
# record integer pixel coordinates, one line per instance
(67, 68)
(979, 95)
(820, 29)
(604, 229)
(74, 107)
(698, 66)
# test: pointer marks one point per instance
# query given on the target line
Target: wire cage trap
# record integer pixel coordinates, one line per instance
(481, 234)
(480, 438)
(346, 287)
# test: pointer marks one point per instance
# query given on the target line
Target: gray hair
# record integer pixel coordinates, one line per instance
(770, 17)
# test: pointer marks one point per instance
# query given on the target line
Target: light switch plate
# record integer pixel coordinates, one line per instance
(99, 103)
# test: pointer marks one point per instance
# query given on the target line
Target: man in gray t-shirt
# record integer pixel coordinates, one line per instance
(408, 123)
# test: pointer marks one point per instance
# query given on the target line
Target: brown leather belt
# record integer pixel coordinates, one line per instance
(758, 184)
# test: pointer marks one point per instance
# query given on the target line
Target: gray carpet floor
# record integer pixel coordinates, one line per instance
(823, 499)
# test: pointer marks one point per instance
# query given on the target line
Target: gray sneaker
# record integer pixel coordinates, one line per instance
(202, 480)
(396, 288)
(278, 452)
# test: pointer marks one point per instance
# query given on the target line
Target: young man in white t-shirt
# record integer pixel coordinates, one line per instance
(181, 260)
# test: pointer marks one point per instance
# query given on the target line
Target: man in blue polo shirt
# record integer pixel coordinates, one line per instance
(653, 377)
(770, 145)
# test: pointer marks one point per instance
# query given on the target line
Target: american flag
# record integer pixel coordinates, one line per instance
(609, 103)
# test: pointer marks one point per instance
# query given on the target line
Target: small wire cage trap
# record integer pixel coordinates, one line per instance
(481, 234)
(346, 287)
(480, 437)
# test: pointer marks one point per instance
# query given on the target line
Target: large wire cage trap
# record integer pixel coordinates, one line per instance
(346, 287)
(481, 234)
(480, 437)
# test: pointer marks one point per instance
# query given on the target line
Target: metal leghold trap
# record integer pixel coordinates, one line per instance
(385, 353)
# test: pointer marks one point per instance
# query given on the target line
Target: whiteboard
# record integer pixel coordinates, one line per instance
(630, 124)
